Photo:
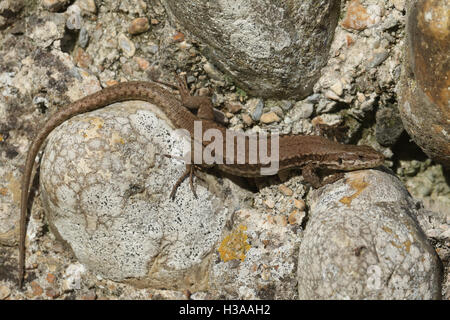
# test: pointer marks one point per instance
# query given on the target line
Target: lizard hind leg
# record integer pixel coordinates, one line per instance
(203, 105)
(191, 172)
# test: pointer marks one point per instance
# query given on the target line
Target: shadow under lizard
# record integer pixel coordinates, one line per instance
(295, 151)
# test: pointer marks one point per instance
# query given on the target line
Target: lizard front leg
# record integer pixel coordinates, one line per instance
(203, 105)
(309, 173)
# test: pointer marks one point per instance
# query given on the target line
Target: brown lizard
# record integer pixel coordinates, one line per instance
(295, 151)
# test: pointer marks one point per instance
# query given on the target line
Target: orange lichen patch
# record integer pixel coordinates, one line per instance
(3, 191)
(116, 139)
(1, 137)
(387, 229)
(235, 245)
(357, 17)
(37, 289)
(356, 182)
(407, 245)
(50, 278)
(350, 41)
(91, 133)
(178, 36)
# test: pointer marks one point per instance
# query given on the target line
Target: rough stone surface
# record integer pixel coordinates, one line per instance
(44, 66)
(270, 48)
(106, 193)
(363, 242)
(424, 92)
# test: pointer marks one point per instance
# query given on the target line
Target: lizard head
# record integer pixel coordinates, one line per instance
(357, 157)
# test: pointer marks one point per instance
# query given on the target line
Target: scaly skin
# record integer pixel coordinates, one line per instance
(295, 151)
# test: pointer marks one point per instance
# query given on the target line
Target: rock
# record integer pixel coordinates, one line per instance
(247, 119)
(72, 277)
(362, 241)
(87, 6)
(263, 44)
(389, 126)
(139, 25)
(303, 110)
(55, 5)
(357, 17)
(4, 292)
(255, 107)
(106, 193)
(424, 95)
(269, 117)
(256, 259)
(126, 45)
(233, 107)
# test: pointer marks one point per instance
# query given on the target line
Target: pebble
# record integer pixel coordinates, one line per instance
(378, 58)
(269, 203)
(83, 38)
(82, 58)
(178, 37)
(4, 292)
(296, 217)
(127, 46)
(247, 119)
(304, 110)
(331, 95)
(55, 5)
(255, 107)
(212, 72)
(142, 63)
(279, 112)
(37, 289)
(74, 20)
(139, 25)
(270, 117)
(299, 204)
(52, 293)
(50, 278)
(357, 17)
(337, 88)
(286, 191)
(87, 6)
(233, 107)
(151, 48)
(389, 126)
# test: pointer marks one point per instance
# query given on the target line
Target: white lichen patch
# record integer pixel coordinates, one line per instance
(106, 185)
(363, 242)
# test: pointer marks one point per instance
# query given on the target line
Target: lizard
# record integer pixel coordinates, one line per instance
(308, 153)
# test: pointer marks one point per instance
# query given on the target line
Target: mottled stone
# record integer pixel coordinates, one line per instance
(139, 25)
(362, 241)
(389, 126)
(127, 46)
(4, 292)
(55, 5)
(269, 117)
(357, 17)
(424, 90)
(269, 48)
(255, 107)
(105, 188)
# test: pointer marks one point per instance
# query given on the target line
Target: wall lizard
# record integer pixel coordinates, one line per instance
(295, 151)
